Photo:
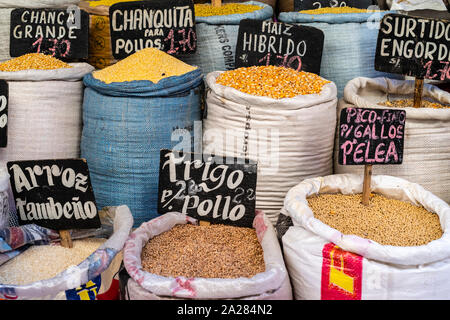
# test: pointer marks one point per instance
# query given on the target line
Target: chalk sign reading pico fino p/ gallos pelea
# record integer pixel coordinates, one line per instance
(4, 97)
(317, 4)
(208, 188)
(55, 194)
(61, 33)
(263, 43)
(168, 26)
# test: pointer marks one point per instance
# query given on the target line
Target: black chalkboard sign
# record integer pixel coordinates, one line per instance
(317, 4)
(214, 189)
(262, 43)
(4, 97)
(55, 194)
(414, 46)
(371, 136)
(62, 33)
(166, 25)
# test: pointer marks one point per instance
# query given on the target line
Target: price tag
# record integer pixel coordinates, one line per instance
(209, 188)
(165, 25)
(61, 33)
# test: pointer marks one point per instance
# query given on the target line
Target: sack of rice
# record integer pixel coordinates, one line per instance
(397, 248)
(35, 266)
(426, 154)
(283, 119)
(171, 257)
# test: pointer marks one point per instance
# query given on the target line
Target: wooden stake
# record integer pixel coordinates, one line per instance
(418, 90)
(216, 3)
(366, 184)
(66, 240)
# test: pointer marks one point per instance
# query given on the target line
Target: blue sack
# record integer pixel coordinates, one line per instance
(349, 46)
(125, 126)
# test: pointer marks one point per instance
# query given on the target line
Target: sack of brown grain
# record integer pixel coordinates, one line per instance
(426, 155)
(324, 263)
(272, 283)
(51, 272)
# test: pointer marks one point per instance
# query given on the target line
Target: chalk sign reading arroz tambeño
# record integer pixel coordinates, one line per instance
(209, 188)
(4, 97)
(414, 46)
(55, 194)
(62, 33)
(371, 136)
(317, 4)
(263, 43)
(165, 25)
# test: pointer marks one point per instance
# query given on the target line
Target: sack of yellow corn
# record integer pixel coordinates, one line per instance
(426, 155)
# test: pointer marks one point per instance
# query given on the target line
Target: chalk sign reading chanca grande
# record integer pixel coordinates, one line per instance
(55, 194)
(263, 43)
(165, 25)
(61, 33)
(414, 46)
(210, 188)
(371, 136)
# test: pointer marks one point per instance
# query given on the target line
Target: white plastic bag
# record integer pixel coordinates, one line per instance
(426, 154)
(322, 261)
(271, 284)
(291, 139)
(411, 5)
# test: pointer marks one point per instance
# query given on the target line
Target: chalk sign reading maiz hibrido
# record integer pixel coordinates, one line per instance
(61, 33)
(263, 43)
(208, 188)
(165, 25)
(55, 194)
(4, 97)
(317, 4)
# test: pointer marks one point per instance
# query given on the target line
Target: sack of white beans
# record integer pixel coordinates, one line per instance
(272, 284)
(92, 278)
(324, 263)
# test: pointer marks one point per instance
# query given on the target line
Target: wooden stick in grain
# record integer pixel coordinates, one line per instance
(418, 90)
(66, 240)
(366, 184)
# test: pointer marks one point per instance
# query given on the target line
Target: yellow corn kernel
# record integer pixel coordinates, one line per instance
(37, 61)
(147, 64)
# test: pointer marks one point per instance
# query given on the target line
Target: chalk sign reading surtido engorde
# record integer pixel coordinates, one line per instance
(263, 43)
(371, 136)
(61, 33)
(4, 97)
(165, 25)
(208, 188)
(55, 194)
(414, 46)
(317, 4)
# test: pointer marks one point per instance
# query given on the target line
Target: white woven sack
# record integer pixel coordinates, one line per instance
(273, 283)
(426, 155)
(411, 5)
(292, 138)
(44, 113)
(6, 6)
(385, 272)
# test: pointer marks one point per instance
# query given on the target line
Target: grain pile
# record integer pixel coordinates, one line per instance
(337, 10)
(273, 82)
(46, 261)
(147, 64)
(409, 103)
(214, 251)
(386, 221)
(36, 61)
(207, 10)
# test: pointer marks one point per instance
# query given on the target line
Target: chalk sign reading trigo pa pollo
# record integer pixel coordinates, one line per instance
(371, 136)
(210, 188)
(55, 194)
(167, 25)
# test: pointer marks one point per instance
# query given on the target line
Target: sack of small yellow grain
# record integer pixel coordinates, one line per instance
(217, 32)
(34, 266)
(350, 41)
(397, 248)
(171, 257)
(6, 6)
(44, 107)
(283, 119)
(426, 155)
